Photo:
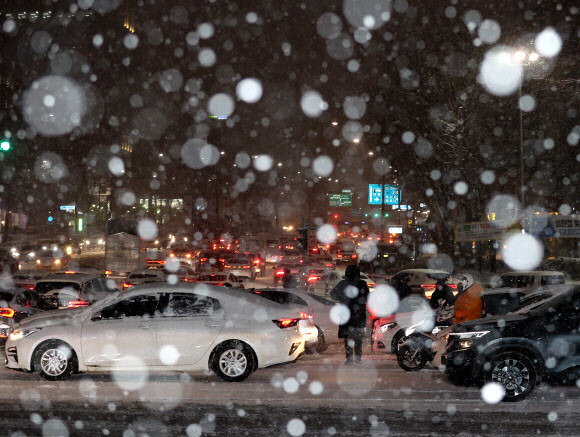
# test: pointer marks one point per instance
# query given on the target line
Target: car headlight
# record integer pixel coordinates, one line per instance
(21, 333)
(37, 261)
(386, 327)
(57, 261)
(465, 344)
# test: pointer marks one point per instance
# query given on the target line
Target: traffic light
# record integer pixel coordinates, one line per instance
(386, 214)
(335, 216)
(5, 145)
(376, 214)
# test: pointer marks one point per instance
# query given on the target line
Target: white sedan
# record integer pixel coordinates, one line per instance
(185, 327)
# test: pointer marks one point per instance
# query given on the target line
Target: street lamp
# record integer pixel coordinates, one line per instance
(524, 58)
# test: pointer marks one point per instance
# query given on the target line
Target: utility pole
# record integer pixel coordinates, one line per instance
(382, 207)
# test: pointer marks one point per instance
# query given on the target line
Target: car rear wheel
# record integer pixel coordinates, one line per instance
(515, 372)
(55, 361)
(233, 361)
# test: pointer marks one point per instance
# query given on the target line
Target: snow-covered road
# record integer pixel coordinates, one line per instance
(318, 390)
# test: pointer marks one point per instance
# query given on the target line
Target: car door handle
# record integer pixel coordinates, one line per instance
(146, 326)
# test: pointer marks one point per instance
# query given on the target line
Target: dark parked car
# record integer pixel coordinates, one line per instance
(518, 350)
(15, 305)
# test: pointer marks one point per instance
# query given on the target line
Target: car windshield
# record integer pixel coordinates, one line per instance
(47, 286)
(274, 140)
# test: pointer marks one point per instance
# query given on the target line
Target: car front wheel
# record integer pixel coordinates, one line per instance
(233, 361)
(515, 372)
(55, 361)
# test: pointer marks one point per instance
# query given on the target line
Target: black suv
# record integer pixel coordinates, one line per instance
(518, 349)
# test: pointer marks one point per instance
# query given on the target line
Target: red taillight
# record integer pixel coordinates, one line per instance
(228, 267)
(285, 323)
(78, 304)
(280, 273)
(312, 279)
(257, 262)
(329, 265)
(7, 312)
(339, 255)
(427, 285)
(371, 284)
(203, 259)
(108, 272)
(246, 267)
(452, 285)
(222, 260)
(171, 255)
(127, 285)
(353, 256)
(304, 315)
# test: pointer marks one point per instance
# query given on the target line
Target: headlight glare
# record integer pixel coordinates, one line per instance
(21, 333)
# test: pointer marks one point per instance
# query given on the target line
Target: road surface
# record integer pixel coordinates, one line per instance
(316, 396)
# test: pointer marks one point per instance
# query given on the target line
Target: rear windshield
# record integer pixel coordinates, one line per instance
(212, 278)
(143, 275)
(281, 297)
(45, 287)
(321, 299)
(552, 280)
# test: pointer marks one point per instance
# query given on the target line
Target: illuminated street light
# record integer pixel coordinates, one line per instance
(520, 56)
(356, 140)
(371, 153)
(335, 123)
(533, 56)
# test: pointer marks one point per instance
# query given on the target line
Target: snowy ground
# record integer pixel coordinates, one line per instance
(319, 390)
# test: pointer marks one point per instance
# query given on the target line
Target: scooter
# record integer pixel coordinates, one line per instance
(417, 347)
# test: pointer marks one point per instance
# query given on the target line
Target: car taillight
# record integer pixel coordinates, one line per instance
(127, 285)
(371, 284)
(172, 255)
(312, 279)
(203, 259)
(78, 304)
(339, 255)
(7, 312)
(246, 267)
(286, 323)
(427, 285)
(280, 273)
(329, 265)
(304, 315)
(353, 256)
(222, 260)
(452, 285)
(228, 267)
(257, 262)
(108, 272)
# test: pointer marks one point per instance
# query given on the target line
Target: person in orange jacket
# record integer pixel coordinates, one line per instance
(468, 303)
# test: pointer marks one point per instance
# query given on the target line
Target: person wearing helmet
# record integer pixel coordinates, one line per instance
(442, 295)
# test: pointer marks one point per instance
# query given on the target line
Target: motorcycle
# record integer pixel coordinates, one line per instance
(418, 347)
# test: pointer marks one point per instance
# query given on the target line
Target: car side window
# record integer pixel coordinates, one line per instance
(96, 286)
(137, 306)
(188, 305)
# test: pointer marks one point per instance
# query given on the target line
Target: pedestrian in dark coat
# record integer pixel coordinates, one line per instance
(352, 292)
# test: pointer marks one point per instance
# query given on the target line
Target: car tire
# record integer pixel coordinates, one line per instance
(515, 372)
(233, 361)
(55, 361)
(321, 343)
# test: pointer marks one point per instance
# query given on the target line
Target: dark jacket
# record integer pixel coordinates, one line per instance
(443, 296)
(354, 298)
